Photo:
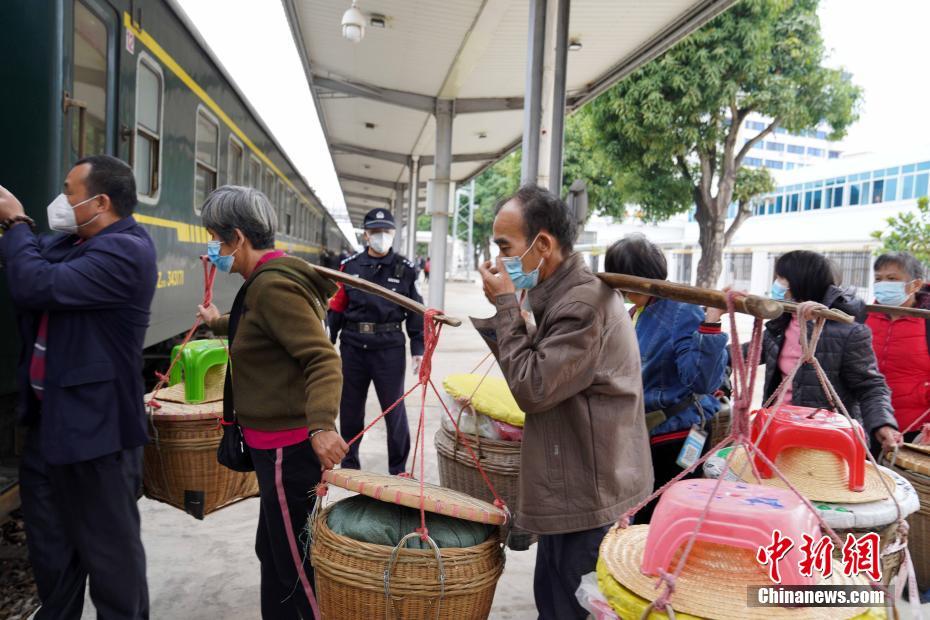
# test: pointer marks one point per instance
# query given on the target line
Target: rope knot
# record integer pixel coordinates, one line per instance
(669, 580)
(423, 532)
(405, 474)
(431, 329)
(322, 489)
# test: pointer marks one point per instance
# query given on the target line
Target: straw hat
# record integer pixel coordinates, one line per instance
(818, 474)
(212, 389)
(714, 581)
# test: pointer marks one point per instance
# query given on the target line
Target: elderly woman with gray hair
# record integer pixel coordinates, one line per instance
(287, 382)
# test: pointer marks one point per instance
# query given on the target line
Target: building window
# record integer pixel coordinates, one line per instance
(778, 204)
(796, 149)
(814, 152)
(759, 126)
(878, 188)
(234, 160)
(737, 268)
(834, 154)
(752, 161)
(821, 135)
(907, 187)
(774, 164)
(795, 202)
(789, 165)
(855, 269)
(207, 142)
(920, 186)
(255, 173)
(775, 146)
(837, 196)
(147, 147)
(854, 194)
(891, 190)
(683, 269)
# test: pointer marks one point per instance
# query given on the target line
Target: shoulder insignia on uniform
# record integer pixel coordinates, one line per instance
(351, 258)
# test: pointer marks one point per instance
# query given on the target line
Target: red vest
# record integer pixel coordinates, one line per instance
(901, 350)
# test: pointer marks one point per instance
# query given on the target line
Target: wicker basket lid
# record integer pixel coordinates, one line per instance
(168, 410)
(913, 457)
(406, 492)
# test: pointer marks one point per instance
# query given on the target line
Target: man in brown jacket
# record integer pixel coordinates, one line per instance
(585, 454)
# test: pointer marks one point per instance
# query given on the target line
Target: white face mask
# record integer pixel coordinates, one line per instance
(61, 215)
(381, 242)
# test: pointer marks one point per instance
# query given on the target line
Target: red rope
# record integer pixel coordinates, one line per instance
(209, 276)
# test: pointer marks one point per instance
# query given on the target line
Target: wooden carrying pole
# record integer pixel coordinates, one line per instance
(374, 289)
(754, 305)
(919, 313)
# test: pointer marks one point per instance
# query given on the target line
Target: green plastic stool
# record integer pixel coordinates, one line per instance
(196, 359)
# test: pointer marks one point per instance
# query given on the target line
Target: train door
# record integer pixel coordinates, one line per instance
(90, 72)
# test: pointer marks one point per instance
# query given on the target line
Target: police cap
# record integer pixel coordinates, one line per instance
(378, 218)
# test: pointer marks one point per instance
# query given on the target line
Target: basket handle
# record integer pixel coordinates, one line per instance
(390, 569)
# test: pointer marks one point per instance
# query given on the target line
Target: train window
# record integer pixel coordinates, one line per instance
(147, 148)
(234, 160)
(91, 46)
(207, 157)
(255, 172)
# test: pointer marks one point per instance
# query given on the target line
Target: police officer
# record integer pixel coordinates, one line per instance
(372, 345)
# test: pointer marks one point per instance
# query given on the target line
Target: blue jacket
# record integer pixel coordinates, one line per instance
(97, 295)
(679, 361)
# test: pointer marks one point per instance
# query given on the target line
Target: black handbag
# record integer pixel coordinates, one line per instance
(232, 451)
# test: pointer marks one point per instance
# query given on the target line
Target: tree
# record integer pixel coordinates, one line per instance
(908, 232)
(673, 127)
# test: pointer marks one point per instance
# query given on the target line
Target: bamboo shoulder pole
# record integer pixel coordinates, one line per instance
(374, 289)
(919, 313)
(753, 305)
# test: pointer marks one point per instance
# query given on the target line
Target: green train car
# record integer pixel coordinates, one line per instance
(132, 78)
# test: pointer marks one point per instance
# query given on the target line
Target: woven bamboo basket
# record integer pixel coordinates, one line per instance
(357, 579)
(915, 467)
(500, 460)
(180, 466)
(890, 562)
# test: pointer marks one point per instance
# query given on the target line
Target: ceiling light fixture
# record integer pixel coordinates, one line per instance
(377, 21)
(353, 23)
(574, 45)
(369, 125)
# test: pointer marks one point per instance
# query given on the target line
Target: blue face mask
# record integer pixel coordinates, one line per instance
(514, 267)
(891, 293)
(223, 263)
(778, 291)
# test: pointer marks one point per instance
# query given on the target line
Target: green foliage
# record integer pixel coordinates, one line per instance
(669, 132)
(752, 182)
(908, 232)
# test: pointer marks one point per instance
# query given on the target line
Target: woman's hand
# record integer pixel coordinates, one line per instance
(889, 437)
(208, 314)
(329, 447)
(713, 315)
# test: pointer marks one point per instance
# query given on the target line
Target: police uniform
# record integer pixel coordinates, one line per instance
(372, 345)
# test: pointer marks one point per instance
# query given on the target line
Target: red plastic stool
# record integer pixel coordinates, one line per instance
(741, 515)
(806, 427)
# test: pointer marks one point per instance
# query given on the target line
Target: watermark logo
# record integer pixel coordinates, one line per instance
(860, 555)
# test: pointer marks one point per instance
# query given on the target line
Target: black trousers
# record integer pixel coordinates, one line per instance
(664, 468)
(82, 521)
(561, 561)
(291, 474)
(386, 368)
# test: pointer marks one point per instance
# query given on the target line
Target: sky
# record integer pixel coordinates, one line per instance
(881, 43)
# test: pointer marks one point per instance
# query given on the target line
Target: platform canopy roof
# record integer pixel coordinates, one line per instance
(375, 98)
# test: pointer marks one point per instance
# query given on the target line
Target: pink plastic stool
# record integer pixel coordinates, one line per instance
(741, 515)
(805, 427)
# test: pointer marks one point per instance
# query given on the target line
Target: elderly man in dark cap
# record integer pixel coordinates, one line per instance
(372, 344)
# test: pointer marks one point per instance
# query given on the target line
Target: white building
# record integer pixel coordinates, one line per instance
(831, 208)
(782, 150)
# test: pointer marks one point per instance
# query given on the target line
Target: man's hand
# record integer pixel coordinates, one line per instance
(330, 448)
(10, 206)
(415, 361)
(496, 280)
(208, 314)
(889, 437)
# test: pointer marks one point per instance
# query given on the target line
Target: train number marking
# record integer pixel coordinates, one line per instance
(170, 278)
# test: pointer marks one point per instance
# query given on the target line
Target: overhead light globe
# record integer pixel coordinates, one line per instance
(353, 24)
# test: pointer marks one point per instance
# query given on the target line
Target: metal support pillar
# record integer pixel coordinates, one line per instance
(438, 206)
(397, 210)
(557, 133)
(470, 259)
(413, 192)
(532, 110)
